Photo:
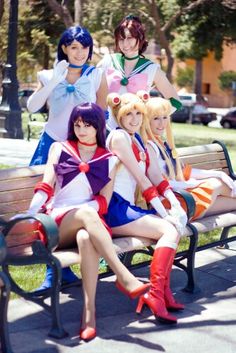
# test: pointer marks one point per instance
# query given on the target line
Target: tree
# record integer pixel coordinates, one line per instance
(206, 29)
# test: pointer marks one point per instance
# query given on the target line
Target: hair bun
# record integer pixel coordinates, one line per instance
(113, 99)
(144, 95)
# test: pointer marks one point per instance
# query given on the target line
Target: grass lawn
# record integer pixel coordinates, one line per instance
(185, 135)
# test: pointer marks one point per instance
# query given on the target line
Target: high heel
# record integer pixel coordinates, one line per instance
(157, 307)
(87, 334)
(159, 271)
(134, 293)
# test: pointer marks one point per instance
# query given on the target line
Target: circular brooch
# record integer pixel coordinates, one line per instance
(124, 81)
(84, 167)
(70, 88)
(142, 156)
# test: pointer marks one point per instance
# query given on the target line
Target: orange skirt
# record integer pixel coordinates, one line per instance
(202, 195)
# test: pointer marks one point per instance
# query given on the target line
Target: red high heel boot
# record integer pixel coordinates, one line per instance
(171, 303)
(136, 292)
(154, 299)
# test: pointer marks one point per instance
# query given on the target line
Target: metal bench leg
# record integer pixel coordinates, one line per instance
(4, 298)
(57, 330)
(191, 283)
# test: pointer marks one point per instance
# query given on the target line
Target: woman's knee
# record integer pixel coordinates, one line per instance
(82, 238)
(88, 216)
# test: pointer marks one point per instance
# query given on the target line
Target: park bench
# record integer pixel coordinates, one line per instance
(5, 346)
(25, 247)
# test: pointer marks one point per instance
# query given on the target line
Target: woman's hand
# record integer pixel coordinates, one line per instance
(59, 72)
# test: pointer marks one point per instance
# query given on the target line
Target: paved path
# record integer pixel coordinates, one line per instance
(17, 153)
(208, 324)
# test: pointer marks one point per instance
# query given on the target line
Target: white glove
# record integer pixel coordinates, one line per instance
(39, 98)
(176, 210)
(38, 200)
(179, 226)
(183, 185)
(158, 206)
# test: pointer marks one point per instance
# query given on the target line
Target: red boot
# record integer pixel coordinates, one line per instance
(154, 299)
(171, 303)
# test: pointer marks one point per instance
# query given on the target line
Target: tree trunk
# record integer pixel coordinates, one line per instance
(46, 57)
(198, 77)
(62, 11)
(1, 9)
(78, 18)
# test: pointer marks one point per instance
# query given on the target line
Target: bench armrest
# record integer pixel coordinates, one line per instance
(48, 224)
(189, 201)
(3, 248)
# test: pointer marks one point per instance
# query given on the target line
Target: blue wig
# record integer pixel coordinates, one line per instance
(92, 114)
(79, 34)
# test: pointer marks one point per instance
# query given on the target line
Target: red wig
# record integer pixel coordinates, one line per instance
(137, 30)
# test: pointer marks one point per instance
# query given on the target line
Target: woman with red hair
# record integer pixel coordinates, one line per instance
(127, 70)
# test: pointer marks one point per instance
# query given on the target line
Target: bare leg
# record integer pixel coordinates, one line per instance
(221, 198)
(149, 226)
(88, 219)
(89, 271)
(222, 203)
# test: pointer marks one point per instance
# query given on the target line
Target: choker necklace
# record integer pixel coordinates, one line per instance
(133, 58)
(87, 144)
(76, 66)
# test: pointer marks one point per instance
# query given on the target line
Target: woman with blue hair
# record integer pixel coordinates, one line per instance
(71, 82)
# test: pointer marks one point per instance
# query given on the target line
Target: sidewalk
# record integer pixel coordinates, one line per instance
(16, 153)
(208, 323)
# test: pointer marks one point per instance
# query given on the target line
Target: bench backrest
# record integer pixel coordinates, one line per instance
(209, 156)
(17, 184)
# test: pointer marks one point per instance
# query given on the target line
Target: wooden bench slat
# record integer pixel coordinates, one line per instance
(17, 195)
(16, 184)
(14, 173)
(186, 151)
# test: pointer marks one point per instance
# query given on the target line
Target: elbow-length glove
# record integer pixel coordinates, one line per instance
(39, 98)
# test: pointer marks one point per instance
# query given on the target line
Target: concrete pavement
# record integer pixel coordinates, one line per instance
(17, 153)
(208, 323)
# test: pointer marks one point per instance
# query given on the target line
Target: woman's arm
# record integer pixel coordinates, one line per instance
(154, 172)
(120, 146)
(164, 86)
(102, 93)
(108, 188)
(40, 96)
(44, 190)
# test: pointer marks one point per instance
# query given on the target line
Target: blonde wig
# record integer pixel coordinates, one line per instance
(160, 107)
(123, 104)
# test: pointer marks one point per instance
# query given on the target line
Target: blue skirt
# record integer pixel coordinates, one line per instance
(41, 153)
(121, 212)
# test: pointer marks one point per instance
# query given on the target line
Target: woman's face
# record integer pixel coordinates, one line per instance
(77, 54)
(128, 45)
(85, 132)
(158, 125)
(132, 121)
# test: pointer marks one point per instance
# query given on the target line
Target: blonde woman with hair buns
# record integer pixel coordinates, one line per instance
(125, 218)
(204, 185)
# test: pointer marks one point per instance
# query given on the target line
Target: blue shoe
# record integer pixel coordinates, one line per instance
(68, 277)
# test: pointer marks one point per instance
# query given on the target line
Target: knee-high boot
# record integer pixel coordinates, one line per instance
(154, 298)
(171, 303)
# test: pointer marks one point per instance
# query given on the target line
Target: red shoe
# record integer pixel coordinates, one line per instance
(157, 307)
(134, 293)
(87, 334)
